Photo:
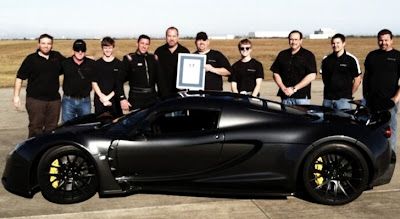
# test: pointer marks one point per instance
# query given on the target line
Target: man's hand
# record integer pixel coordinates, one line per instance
(125, 104)
(16, 102)
(209, 68)
(289, 91)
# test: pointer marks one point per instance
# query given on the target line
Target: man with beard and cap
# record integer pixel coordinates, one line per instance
(167, 56)
(42, 70)
(217, 65)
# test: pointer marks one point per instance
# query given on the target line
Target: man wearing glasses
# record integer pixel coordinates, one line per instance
(247, 73)
(77, 85)
(216, 65)
(293, 71)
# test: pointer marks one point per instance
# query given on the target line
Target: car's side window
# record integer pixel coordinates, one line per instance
(189, 120)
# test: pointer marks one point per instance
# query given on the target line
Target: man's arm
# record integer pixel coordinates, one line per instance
(219, 71)
(396, 97)
(257, 88)
(365, 84)
(304, 82)
(234, 87)
(279, 82)
(105, 99)
(17, 90)
(122, 78)
(356, 84)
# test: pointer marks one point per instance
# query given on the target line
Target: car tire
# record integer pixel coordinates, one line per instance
(335, 174)
(67, 175)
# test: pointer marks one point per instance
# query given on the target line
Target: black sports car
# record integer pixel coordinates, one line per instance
(209, 143)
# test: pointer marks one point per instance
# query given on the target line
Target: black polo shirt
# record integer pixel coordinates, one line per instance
(246, 73)
(169, 65)
(382, 73)
(293, 68)
(42, 74)
(217, 60)
(338, 74)
(78, 78)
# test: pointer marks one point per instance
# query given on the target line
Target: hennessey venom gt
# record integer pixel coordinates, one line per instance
(209, 143)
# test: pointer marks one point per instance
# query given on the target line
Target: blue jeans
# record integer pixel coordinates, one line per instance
(393, 125)
(72, 107)
(339, 104)
(295, 101)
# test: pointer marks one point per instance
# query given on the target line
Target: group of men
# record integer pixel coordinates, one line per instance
(153, 76)
(295, 68)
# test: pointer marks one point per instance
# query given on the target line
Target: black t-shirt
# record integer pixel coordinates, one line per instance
(169, 65)
(338, 74)
(217, 60)
(293, 68)
(246, 73)
(78, 78)
(43, 75)
(382, 73)
(106, 74)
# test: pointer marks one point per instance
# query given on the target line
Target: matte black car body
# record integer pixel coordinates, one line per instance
(205, 142)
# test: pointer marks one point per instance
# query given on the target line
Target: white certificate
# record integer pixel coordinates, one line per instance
(191, 71)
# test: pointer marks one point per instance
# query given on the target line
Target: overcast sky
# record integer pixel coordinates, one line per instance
(130, 18)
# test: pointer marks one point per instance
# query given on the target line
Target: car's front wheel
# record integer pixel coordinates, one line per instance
(335, 174)
(67, 175)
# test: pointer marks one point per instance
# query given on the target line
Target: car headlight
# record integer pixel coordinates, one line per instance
(24, 142)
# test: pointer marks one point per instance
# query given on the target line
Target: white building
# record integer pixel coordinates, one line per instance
(269, 34)
(323, 33)
(227, 37)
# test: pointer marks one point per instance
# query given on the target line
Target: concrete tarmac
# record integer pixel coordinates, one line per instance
(380, 202)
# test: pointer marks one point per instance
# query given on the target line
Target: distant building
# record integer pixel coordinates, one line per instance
(323, 33)
(227, 37)
(269, 34)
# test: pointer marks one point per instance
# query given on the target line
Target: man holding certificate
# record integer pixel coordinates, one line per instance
(217, 65)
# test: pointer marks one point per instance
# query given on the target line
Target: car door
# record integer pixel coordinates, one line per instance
(172, 143)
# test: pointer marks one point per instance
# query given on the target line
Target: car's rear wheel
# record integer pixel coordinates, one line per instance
(67, 175)
(335, 174)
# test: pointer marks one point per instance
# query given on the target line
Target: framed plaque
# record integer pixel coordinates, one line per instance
(191, 72)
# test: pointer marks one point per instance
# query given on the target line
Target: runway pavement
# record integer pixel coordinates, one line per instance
(380, 202)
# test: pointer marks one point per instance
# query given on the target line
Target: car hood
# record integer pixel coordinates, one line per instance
(82, 123)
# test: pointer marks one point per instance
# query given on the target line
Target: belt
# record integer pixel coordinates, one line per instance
(78, 97)
(246, 92)
(142, 90)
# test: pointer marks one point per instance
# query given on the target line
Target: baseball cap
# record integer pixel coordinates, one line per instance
(79, 45)
(201, 36)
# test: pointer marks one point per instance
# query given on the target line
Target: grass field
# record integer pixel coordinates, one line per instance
(13, 52)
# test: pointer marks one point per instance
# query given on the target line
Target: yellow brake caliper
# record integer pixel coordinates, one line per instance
(319, 179)
(54, 170)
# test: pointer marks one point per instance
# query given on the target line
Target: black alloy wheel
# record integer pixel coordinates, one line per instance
(67, 175)
(335, 174)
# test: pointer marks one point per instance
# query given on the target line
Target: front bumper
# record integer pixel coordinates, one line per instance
(16, 177)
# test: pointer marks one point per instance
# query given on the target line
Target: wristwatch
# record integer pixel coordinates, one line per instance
(294, 89)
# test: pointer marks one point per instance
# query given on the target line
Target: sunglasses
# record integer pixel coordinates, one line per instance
(245, 48)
